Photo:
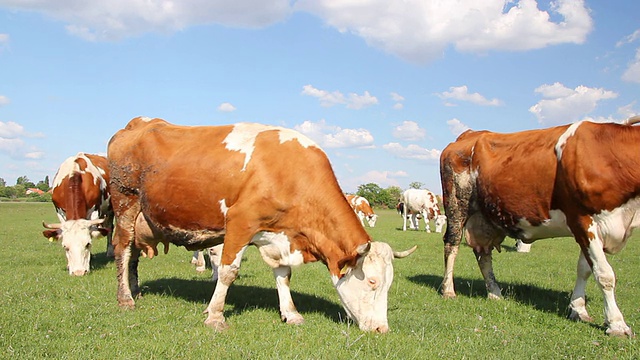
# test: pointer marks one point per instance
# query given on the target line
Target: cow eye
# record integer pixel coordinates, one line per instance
(373, 283)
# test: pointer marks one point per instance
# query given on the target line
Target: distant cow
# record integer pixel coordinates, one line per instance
(422, 202)
(363, 209)
(213, 253)
(441, 221)
(241, 185)
(580, 180)
(81, 198)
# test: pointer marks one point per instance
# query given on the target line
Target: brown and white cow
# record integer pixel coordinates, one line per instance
(580, 180)
(241, 185)
(419, 202)
(81, 198)
(362, 208)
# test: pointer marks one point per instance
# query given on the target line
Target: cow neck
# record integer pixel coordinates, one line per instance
(75, 199)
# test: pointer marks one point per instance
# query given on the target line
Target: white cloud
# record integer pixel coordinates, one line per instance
(632, 74)
(462, 93)
(412, 151)
(4, 100)
(420, 31)
(11, 130)
(329, 136)
(409, 131)
(226, 107)
(397, 97)
(329, 99)
(116, 19)
(629, 38)
(562, 105)
(12, 143)
(416, 30)
(457, 127)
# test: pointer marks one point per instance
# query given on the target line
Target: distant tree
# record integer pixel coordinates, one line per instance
(372, 192)
(416, 185)
(394, 193)
(2, 183)
(23, 180)
(43, 184)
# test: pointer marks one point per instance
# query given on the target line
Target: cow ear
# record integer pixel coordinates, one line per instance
(99, 232)
(364, 248)
(52, 234)
(345, 265)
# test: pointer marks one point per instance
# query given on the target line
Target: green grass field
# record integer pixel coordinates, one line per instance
(46, 313)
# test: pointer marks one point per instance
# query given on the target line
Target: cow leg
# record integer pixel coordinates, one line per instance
(606, 280)
(110, 246)
(198, 260)
(288, 311)
(127, 256)
(404, 217)
(215, 254)
(227, 274)
(486, 267)
(426, 221)
(578, 304)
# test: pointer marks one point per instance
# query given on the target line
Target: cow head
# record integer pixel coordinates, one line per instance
(363, 288)
(75, 237)
(441, 221)
(371, 219)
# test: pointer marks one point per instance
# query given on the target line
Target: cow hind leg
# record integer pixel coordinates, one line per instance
(485, 263)
(288, 311)
(578, 304)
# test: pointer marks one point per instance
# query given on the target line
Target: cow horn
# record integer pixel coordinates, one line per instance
(97, 221)
(401, 254)
(51, 226)
(632, 120)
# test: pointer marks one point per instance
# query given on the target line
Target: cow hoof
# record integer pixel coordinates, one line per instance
(449, 295)
(577, 316)
(492, 296)
(201, 269)
(127, 304)
(293, 319)
(620, 331)
(217, 325)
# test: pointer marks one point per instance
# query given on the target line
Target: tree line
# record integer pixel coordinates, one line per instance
(19, 190)
(384, 198)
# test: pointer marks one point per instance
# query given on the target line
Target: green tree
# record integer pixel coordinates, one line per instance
(416, 185)
(24, 181)
(2, 183)
(372, 192)
(394, 193)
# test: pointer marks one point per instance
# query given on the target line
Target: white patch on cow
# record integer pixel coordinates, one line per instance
(223, 207)
(289, 135)
(614, 227)
(145, 118)
(555, 226)
(562, 140)
(243, 137)
(69, 166)
(275, 249)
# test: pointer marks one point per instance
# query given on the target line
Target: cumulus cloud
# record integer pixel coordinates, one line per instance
(562, 105)
(461, 93)
(329, 99)
(412, 151)
(457, 127)
(629, 38)
(330, 136)
(632, 74)
(415, 30)
(409, 131)
(226, 107)
(12, 143)
(398, 101)
(420, 31)
(4, 100)
(384, 179)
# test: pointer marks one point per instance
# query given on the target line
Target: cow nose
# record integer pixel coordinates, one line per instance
(79, 272)
(383, 329)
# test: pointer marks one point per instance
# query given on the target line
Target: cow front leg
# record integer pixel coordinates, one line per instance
(288, 311)
(578, 304)
(606, 280)
(227, 274)
(198, 260)
(485, 263)
(127, 273)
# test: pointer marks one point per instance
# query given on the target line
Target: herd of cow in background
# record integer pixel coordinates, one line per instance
(556, 182)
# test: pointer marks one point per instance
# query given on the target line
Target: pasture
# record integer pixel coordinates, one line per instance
(46, 313)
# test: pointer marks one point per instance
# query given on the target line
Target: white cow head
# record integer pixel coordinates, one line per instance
(75, 237)
(363, 289)
(441, 221)
(372, 220)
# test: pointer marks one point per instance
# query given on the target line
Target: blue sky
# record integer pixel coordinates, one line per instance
(383, 86)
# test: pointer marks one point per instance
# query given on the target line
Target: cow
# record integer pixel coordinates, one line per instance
(580, 180)
(419, 202)
(441, 221)
(80, 196)
(240, 185)
(363, 209)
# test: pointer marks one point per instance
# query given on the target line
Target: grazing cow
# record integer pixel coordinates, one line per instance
(580, 180)
(362, 208)
(81, 198)
(422, 202)
(241, 185)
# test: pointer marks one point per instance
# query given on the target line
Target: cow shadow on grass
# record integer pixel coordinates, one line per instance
(241, 297)
(100, 260)
(546, 300)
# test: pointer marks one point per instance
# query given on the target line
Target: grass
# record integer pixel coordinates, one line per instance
(46, 313)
